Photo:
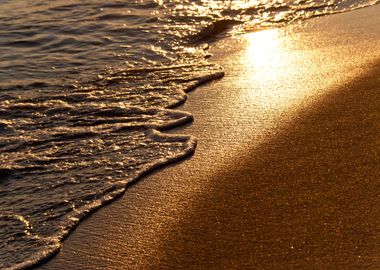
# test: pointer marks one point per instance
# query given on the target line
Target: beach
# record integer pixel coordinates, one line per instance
(286, 170)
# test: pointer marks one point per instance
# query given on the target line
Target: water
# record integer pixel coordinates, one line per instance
(85, 89)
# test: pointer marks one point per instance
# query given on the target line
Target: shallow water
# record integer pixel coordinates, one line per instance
(85, 87)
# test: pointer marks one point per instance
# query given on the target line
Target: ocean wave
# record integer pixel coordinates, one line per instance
(63, 157)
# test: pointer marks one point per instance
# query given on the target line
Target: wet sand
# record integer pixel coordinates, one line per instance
(286, 174)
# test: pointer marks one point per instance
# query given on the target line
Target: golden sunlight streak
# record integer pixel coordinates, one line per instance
(265, 52)
(271, 61)
(265, 40)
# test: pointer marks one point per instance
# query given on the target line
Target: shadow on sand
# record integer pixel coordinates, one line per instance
(309, 199)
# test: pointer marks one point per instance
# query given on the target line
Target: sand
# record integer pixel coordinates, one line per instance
(286, 174)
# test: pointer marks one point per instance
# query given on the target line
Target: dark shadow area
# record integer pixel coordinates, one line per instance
(307, 199)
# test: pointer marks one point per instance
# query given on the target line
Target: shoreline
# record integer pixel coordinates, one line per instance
(200, 212)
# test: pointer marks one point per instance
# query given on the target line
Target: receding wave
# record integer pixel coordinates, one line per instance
(64, 155)
(269, 14)
(213, 29)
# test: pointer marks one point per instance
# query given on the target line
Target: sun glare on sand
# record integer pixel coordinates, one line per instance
(265, 52)
(270, 64)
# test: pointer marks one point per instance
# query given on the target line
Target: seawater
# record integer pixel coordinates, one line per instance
(87, 88)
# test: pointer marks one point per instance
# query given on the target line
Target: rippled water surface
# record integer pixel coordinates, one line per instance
(85, 89)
